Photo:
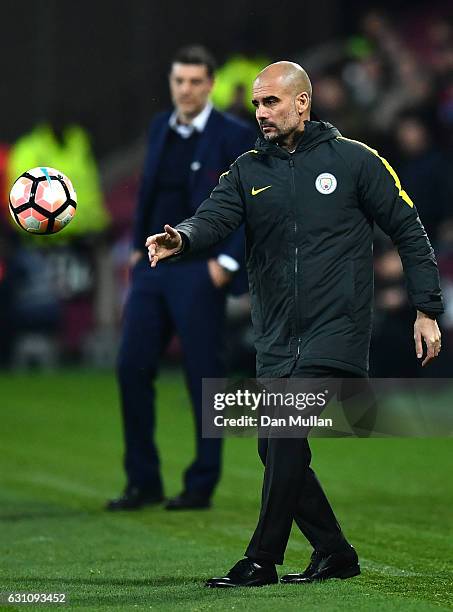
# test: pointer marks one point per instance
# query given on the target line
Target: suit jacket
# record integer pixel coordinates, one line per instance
(221, 142)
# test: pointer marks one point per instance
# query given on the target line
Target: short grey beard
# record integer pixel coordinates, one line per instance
(270, 138)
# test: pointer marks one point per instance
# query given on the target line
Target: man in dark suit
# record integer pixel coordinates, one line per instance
(188, 149)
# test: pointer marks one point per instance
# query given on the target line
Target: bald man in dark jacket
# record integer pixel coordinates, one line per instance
(309, 199)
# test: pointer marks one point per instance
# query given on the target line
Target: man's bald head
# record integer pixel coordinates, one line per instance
(282, 98)
(289, 75)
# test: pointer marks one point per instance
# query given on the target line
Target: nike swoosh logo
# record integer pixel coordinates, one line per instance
(257, 191)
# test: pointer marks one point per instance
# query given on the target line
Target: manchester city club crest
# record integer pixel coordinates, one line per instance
(326, 183)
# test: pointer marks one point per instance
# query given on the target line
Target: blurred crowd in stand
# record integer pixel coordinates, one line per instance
(390, 86)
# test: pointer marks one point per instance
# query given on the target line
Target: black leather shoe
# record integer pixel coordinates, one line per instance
(188, 501)
(324, 566)
(246, 573)
(134, 498)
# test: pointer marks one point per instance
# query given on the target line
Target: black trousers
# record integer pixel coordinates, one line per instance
(291, 491)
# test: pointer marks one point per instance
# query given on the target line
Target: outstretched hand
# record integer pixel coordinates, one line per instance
(163, 245)
(426, 329)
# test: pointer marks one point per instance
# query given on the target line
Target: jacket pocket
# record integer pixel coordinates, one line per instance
(349, 284)
(361, 287)
(255, 302)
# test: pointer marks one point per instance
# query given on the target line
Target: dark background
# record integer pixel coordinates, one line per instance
(386, 81)
(104, 63)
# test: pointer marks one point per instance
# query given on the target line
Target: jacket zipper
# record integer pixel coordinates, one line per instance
(296, 251)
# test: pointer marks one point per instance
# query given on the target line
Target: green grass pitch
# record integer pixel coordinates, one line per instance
(60, 459)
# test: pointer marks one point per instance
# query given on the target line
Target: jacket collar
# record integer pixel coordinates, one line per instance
(314, 133)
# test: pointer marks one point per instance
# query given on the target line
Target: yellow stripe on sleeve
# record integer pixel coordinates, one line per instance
(394, 175)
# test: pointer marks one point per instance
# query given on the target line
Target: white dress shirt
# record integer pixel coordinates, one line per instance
(198, 123)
